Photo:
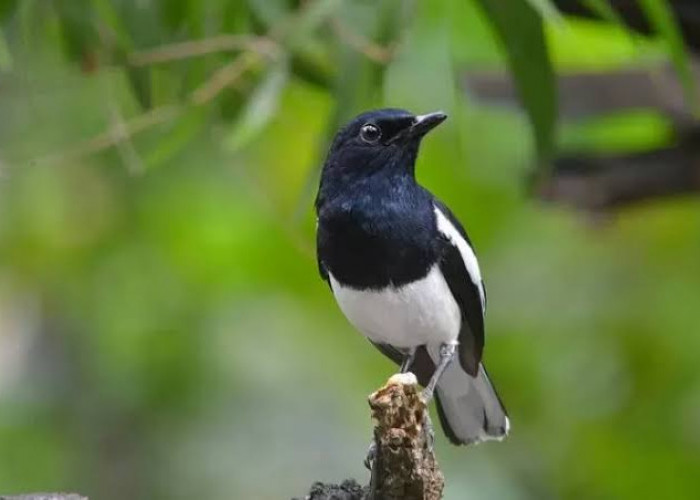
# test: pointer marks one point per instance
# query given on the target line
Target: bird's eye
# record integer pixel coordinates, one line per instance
(370, 133)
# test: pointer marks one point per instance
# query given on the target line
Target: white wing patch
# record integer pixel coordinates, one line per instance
(468, 256)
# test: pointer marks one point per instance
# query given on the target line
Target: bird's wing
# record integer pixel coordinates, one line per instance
(460, 268)
(322, 270)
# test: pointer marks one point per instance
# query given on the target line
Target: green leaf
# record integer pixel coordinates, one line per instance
(184, 130)
(604, 10)
(298, 28)
(174, 13)
(631, 131)
(260, 108)
(79, 33)
(7, 7)
(110, 16)
(547, 10)
(313, 70)
(520, 31)
(269, 12)
(26, 18)
(5, 55)
(235, 17)
(660, 16)
(313, 14)
(140, 80)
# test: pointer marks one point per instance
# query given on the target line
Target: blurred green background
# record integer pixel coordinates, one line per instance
(163, 330)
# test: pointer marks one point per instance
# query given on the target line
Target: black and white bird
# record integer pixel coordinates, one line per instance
(403, 270)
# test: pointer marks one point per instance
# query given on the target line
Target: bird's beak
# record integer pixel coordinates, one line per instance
(425, 123)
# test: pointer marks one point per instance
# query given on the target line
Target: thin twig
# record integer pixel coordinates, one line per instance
(125, 129)
(115, 134)
(373, 51)
(196, 48)
(122, 139)
(224, 77)
(125, 147)
(254, 50)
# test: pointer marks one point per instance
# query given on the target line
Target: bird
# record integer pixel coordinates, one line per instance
(403, 270)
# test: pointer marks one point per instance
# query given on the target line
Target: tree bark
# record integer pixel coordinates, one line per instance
(406, 467)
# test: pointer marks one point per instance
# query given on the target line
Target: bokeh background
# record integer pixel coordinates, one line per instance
(163, 330)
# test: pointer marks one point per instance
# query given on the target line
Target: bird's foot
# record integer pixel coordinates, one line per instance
(427, 395)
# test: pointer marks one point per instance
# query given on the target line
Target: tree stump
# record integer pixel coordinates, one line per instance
(405, 467)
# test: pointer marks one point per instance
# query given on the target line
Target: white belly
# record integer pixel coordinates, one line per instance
(422, 312)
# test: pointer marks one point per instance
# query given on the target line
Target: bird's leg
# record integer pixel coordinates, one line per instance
(447, 352)
(408, 359)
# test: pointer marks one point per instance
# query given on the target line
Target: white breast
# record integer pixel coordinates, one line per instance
(422, 312)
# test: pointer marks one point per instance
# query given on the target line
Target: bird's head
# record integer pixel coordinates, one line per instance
(381, 140)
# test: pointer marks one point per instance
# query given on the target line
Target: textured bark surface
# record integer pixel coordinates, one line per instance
(347, 490)
(405, 466)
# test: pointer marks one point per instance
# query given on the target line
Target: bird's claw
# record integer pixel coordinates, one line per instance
(426, 396)
(371, 454)
(429, 433)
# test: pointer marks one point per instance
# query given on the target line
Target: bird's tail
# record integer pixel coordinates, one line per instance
(470, 411)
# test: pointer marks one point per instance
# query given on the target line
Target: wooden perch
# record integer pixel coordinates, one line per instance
(585, 94)
(405, 460)
(404, 465)
(599, 184)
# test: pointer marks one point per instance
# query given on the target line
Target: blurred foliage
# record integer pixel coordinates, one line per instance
(163, 331)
